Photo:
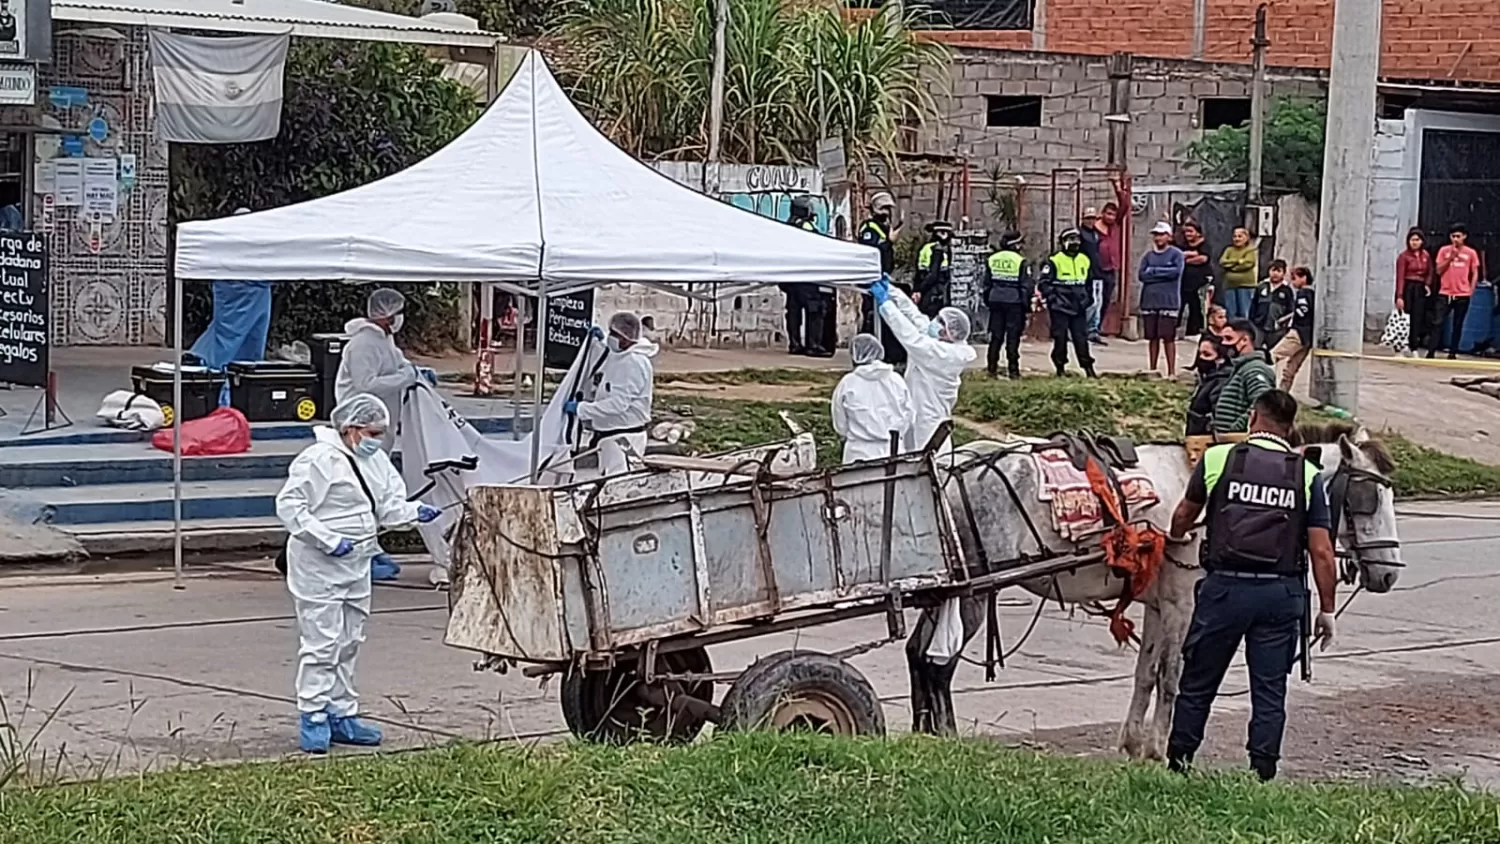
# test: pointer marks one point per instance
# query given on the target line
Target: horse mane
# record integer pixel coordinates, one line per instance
(1314, 433)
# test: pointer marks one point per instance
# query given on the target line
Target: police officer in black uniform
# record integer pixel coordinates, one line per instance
(807, 305)
(1008, 292)
(879, 231)
(1267, 513)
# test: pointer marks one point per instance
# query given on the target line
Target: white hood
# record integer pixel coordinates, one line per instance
(328, 436)
(874, 371)
(361, 324)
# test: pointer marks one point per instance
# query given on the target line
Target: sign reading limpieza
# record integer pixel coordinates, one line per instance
(568, 320)
(24, 338)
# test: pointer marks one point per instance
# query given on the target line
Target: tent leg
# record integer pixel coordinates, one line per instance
(523, 305)
(541, 368)
(177, 435)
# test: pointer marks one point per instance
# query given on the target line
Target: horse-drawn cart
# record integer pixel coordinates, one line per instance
(621, 585)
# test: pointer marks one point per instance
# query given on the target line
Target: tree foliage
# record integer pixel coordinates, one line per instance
(1292, 161)
(642, 68)
(352, 113)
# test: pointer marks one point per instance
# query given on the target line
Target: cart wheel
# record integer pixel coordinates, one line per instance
(307, 410)
(167, 416)
(616, 708)
(803, 690)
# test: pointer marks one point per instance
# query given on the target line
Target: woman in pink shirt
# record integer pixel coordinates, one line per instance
(1458, 272)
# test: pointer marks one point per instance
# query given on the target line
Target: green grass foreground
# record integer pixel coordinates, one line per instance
(747, 788)
(1148, 409)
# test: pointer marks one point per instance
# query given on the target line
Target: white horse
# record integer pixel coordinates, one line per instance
(992, 489)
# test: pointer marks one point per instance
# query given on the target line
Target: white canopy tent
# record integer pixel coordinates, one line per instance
(532, 198)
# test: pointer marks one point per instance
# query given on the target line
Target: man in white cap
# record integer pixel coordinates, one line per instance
(1161, 295)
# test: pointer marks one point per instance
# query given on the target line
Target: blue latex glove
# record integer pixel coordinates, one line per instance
(426, 514)
(344, 548)
(881, 292)
(596, 332)
(427, 374)
(570, 406)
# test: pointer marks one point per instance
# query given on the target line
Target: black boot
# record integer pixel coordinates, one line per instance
(1263, 768)
(1088, 369)
(1062, 369)
(1178, 763)
(1014, 372)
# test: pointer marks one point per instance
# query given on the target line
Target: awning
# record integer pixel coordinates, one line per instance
(531, 191)
(305, 18)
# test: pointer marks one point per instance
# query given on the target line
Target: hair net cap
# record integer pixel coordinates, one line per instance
(865, 348)
(361, 410)
(384, 302)
(626, 324)
(954, 324)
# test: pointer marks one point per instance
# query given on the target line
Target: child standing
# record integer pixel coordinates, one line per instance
(1274, 299)
(1291, 352)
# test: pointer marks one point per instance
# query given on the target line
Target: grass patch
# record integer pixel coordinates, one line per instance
(1148, 409)
(1423, 472)
(741, 788)
(753, 375)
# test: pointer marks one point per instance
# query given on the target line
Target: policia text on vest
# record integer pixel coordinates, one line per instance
(1265, 505)
(1008, 292)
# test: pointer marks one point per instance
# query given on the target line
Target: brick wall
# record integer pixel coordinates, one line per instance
(1423, 39)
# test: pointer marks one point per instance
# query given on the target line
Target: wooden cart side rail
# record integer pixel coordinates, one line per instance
(813, 618)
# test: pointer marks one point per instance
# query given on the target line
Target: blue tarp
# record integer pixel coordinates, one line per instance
(242, 319)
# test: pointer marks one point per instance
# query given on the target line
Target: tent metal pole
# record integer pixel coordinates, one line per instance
(177, 434)
(523, 305)
(541, 368)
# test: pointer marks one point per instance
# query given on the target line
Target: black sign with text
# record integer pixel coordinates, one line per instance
(568, 320)
(25, 340)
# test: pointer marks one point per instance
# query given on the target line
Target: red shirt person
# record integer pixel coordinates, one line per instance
(1414, 285)
(1458, 272)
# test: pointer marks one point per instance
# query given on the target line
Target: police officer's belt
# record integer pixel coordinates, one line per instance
(1250, 575)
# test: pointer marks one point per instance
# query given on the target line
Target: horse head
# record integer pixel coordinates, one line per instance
(1356, 470)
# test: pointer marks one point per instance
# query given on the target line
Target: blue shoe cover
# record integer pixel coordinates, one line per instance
(314, 732)
(353, 731)
(382, 567)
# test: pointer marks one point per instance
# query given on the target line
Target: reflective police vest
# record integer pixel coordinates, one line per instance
(873, 234)
(924, 257)
(808, 226)
(1005, 278)
(1070, 269)
(1257, 507)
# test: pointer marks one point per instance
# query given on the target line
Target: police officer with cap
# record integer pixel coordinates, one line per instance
(1008, 287)
(807, 301)
(1267, 512)
(1066, 292)
(934, 268)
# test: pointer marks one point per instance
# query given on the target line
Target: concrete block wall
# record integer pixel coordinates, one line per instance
(754, 320)
(1387, 235)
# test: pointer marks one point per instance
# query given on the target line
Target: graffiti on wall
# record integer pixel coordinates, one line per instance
(778, 206)
(765, 189)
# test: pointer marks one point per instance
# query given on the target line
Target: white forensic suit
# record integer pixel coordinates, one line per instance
(868, 404)
(321, 503)
(621, 410)
(372, 364)
(934, 368)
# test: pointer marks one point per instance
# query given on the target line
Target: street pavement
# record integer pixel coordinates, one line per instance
(118, 673)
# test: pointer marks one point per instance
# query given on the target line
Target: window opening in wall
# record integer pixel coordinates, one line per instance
(1219, 112)
(1013, 111)
(13, 177)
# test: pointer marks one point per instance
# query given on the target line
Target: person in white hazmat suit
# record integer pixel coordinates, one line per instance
(937, 352)
(620, 413)
(870, 403)
(339, 493)
(372, 364)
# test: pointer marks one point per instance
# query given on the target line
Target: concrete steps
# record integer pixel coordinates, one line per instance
(113, 491)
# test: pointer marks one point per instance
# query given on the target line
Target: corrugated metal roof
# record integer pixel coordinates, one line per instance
(305, 18)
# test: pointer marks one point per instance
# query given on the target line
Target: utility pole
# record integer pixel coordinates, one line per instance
(716, 82)
(1258, 104)
(1342, 259)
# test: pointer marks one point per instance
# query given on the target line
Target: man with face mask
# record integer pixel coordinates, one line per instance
(880, 233)
(1250, 377)
(621, 410)
(934, 266)
(937, 350)
(1064, 289)
(373, 365)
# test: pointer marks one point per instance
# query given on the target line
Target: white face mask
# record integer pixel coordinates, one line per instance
(612, 343)
(367, 447)
(397, 321)
(934, 331)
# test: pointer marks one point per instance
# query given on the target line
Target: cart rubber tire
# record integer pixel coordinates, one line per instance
(600, 705)
(803, 690)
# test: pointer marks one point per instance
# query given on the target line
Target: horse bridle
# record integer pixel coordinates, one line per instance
(1361, 485)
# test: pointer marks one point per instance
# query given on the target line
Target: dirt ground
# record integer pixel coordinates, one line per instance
(1431, 727)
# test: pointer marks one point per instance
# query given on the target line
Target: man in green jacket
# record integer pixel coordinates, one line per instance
(1250, 378)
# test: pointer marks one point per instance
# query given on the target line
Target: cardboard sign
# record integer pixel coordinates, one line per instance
(25, 339)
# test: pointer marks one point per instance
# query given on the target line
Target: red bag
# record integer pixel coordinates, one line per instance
(225, 431)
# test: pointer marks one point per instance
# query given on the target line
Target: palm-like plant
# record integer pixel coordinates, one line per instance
(641, 67)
